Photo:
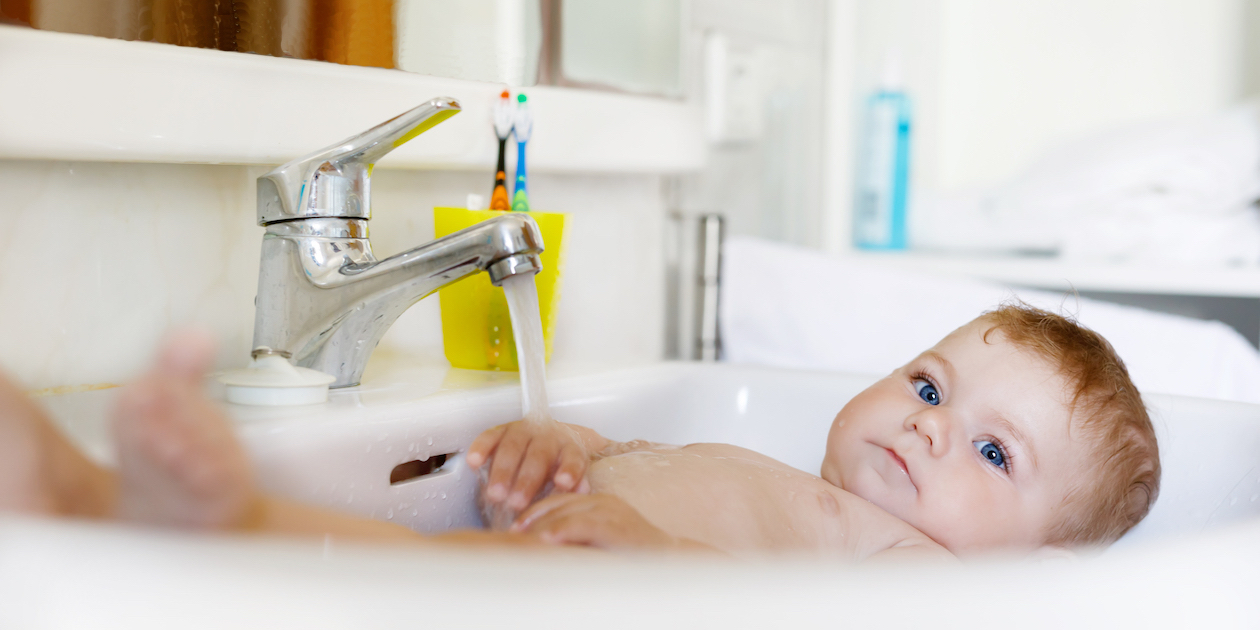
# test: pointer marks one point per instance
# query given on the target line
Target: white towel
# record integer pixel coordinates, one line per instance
(792, 307)
(1177, 190)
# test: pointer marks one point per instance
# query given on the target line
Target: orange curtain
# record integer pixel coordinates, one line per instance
(353, 32)
(243, 25)
(18, 11)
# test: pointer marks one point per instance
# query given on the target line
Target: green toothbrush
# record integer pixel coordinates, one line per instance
(522, 127)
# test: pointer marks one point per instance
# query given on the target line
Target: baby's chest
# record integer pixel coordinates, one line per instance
(730, 499)
(706, 469)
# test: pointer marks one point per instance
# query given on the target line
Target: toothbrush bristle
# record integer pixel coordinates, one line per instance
(523, 125)
(504, 115)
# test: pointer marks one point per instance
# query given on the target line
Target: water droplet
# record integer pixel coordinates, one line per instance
(390, 514)
(430, 441)
(411, 447)
(389, 447)
(444, 494)
(415, 512)
(448, 521)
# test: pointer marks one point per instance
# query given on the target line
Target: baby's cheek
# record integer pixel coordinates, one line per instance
(970, 519)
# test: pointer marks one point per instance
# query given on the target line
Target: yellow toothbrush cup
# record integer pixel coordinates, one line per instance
(476, 326)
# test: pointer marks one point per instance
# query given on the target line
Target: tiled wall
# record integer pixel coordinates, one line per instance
(97, 260)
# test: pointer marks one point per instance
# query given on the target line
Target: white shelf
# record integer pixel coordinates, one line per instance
(77, 97)
(1052, 273)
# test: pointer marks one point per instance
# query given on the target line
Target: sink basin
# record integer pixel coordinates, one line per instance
(1194, 561)
(342, 454)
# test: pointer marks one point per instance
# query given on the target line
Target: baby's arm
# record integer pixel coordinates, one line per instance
(912, 550)
(598, 520)
(524, 454)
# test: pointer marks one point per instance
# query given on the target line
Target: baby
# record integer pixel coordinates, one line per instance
(1019, 431)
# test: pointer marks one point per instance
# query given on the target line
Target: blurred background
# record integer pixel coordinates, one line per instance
(995, 85)
(1105, 147)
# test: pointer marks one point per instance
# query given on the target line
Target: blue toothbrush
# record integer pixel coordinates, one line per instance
(522, 127)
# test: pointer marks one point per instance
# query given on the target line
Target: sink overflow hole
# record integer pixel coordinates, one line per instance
(416, 468)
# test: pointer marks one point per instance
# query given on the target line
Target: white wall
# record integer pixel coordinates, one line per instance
(98, 259)
(1016, 77)
(768, 182)
(997, 82)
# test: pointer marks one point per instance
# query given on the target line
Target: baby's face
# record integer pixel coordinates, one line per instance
(969, 443)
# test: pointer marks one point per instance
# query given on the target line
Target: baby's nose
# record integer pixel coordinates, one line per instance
(932, 425)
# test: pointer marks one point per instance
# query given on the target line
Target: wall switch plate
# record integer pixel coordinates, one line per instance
(733, 95)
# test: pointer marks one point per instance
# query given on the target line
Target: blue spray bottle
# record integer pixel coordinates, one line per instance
(883, 178)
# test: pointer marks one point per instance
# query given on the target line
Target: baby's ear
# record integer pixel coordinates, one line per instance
(1053, 554)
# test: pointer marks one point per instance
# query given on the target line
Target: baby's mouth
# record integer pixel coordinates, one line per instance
(901, 465)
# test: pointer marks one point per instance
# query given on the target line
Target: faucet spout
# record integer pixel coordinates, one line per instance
(324, 297)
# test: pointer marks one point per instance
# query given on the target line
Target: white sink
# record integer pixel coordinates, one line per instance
(341, 454)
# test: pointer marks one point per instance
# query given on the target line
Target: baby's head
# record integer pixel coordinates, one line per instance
(1019, 430)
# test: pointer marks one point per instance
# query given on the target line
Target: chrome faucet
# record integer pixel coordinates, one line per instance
(323, 298)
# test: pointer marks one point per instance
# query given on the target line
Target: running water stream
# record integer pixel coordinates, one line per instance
(531, 350)
(531, 356)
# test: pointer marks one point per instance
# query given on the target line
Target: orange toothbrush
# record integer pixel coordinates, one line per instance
(504, 113)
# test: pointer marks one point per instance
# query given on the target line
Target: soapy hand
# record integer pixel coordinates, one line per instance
(595, 520)
(525, 454)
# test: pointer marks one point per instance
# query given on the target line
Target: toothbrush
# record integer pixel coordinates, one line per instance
(503, 114)
(523, 126)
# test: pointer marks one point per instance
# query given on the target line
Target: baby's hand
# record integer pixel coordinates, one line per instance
(594, 520)
(525, 454)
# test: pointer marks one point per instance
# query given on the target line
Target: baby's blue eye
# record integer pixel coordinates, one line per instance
(927, 392)
(991, 453)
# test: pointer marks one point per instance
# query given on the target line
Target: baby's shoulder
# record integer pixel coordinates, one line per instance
(864, 527)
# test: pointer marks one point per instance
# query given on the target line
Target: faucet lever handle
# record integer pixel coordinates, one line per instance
(333, 182)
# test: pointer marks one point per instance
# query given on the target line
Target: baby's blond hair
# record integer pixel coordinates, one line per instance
(1107, 409)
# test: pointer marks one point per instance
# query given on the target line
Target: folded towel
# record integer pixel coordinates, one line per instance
(792, 307)
(1166, 190)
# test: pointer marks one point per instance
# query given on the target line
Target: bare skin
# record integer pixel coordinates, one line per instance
(180, 466)
(763, 505)
(40, 472)
(179, 463)
(714, 497)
